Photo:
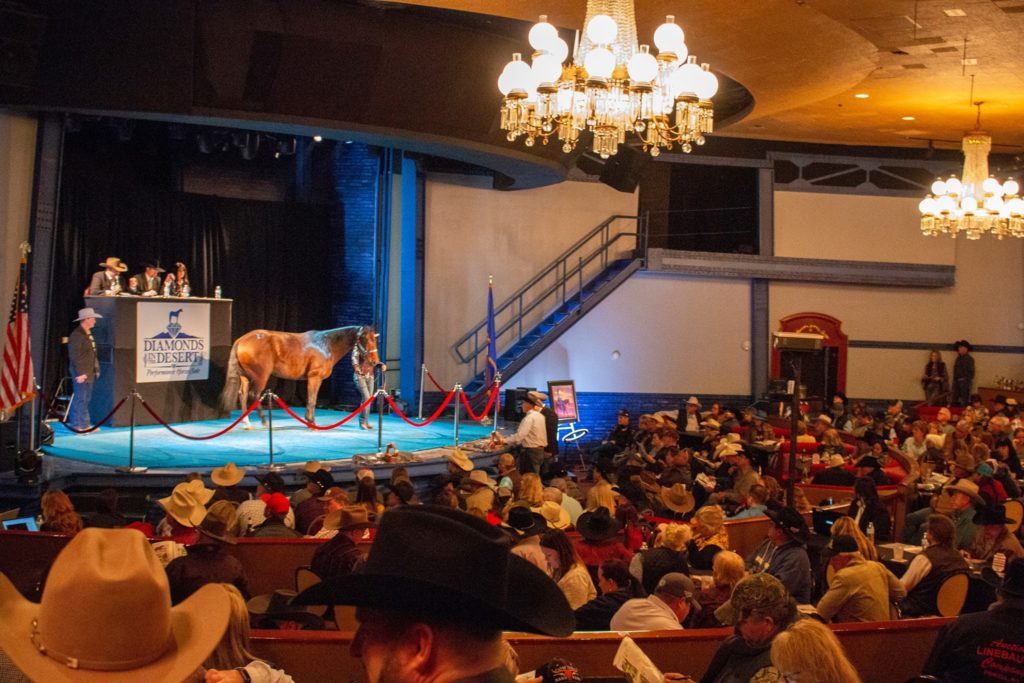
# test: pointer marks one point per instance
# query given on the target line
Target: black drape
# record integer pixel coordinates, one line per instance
(270, 257)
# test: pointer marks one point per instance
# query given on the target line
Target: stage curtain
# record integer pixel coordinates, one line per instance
(269, 257)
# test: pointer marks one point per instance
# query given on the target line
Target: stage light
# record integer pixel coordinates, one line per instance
(318, 138)
(28, 465)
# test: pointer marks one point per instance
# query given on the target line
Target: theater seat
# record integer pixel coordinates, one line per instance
(1015, 513)
(952, 594)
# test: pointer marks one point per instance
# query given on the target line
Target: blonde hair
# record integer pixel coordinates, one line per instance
(59, 513)
(601, 496)
(710, 516)
(531, 489)
(831, 438)
(233, 649)
(674, 536)
(847, 526)
(810, 647)
(727, 568)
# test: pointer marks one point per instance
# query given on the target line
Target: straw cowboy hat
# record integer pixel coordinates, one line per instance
(460, 460)
(115, 263)
(470, 578)
(677, 498)
(106, 615)
(229, 475)
(836, 460)
(557, 516)
(184, 507)
(966, 487)
(86, 313)
(197, 489)
(348, 517)
(480, 478)
(537, 398)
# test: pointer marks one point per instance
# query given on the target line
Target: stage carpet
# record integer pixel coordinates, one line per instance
(157, 447)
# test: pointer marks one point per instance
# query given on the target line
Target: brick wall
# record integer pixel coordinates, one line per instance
(352, 247)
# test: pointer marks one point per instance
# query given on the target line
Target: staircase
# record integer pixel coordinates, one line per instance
(552, 301)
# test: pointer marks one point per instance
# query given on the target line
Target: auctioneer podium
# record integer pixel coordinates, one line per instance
(173, 351)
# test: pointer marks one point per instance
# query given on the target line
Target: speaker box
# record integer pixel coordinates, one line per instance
(510, 408)
(621, 171)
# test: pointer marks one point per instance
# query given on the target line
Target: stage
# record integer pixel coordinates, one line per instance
(156, 447)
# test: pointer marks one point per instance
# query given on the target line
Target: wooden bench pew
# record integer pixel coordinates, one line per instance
(324, 655)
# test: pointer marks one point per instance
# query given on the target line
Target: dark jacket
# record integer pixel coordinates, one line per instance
(735, 661)
(551, 423)
(100, 283)
(82, 359)
(273, 527)
(921, 599)
(657, 562)
(876, 514)
(834, 476)
(337, 557)
(597, 614)
(788, 563)
(979, 646)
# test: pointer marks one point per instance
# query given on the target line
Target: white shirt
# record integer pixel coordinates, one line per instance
(252, 513)
(532, 432)
(645, 614)
(572, 506)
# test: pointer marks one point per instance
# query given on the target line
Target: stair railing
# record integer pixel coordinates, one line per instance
(558, 282)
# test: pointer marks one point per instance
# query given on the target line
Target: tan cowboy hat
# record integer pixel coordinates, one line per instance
(537, 398)
(348, 517)
(197, 489)
(677, 499)
(823, 418)
(557, 516)
(967, 487)
(229, 475)
(480, 478)
(86, 313)
(106, 615)
(221, 522)
(460, 460)
(115, 263)
(314, 466)
(836, 460)
(965, 461)
(183, 506)
(711, 423)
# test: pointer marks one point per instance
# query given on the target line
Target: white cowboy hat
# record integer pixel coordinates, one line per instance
(557, 516)
(184, 507)
(86, 313)
(106, 615)
(229, 475)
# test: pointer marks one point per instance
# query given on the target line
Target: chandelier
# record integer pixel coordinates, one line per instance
(976, 204)
(612, 87)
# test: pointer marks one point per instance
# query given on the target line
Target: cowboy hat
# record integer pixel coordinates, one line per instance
(441, 562)
(348, 517)
(987, 516)
(536, 398)
(106, 615)
(229, 475)
(272, 482)
(460, 459)
(221, 522)
(323, 480)
(183, 506)
(964, 461)
(677, 498)
(836, 460)
(86, 313)
(966, 487)
(711, 423)
(480, 478)
(869, 461)
(314, 466)
(154, 265)
(197, 489)
(522, 522)
(364, 473)
(403, 489)
(115, 263)
(963, 342)
(598, 525)
(557, 517)
(823, 417)
(790, 522)
(692, 401)
(1012, 581)
(279, 605)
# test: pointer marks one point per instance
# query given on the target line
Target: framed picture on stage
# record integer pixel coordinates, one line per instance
(562, 395)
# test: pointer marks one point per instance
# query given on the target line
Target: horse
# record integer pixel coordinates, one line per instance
(260, 354)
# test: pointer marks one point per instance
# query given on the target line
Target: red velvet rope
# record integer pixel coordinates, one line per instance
(98, 424)
(439, 387)
(483, 413)
(437, 413)
(198, 438)
(325, 428)
(478, 394)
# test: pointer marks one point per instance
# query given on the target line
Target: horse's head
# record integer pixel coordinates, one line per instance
(367, 343)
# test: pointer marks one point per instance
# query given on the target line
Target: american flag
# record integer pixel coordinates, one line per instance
(17, 383)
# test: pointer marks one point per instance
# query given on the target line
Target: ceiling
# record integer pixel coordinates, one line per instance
(804, 60)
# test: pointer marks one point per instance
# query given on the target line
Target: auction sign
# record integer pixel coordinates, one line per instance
(172, 342)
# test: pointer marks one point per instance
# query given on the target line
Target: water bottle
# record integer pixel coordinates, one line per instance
(217, 292)
(186, 291)
(871, 532)
(167, 289)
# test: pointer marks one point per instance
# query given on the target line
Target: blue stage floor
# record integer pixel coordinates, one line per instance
(157, 447)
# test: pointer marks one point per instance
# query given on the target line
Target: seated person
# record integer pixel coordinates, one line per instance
(147, 283)
(709, 536)
(926, 573)
(834, 474)
(754, 505)
(784, 555)
(663, 610)
(727, 570)
(744, 476)
(867, 509)
(667, 555)
(860, 590)
(870, 466)
(993, 536)
(109, 280)
(617, 586)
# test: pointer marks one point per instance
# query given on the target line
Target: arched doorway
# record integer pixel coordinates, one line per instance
(823, 372)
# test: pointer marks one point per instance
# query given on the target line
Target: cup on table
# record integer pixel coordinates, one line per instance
(897, 553)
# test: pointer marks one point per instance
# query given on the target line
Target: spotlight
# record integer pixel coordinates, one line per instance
(318, 138)
(27, 466)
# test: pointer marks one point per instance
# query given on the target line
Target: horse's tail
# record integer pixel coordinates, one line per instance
(229, 396)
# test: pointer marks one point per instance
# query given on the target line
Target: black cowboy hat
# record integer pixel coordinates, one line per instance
(598, 525)
(869, 461)
(323, 479)
(963, 342)
(272, 482)
(155, 265)
(523, 522)
(1012, 581)
(991, 515)
(403, 489)
(281, 605)
(443, 563)
(791, 522)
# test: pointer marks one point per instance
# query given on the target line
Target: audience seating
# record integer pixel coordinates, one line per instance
(952, 595)
(1015, 513)
(322, 655)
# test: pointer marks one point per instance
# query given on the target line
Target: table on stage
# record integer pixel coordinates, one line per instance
(173, 351)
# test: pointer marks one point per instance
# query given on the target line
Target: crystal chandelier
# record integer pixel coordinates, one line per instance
(611, 87)
(977, 204)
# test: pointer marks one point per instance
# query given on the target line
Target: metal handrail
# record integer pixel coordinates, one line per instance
(535, 292)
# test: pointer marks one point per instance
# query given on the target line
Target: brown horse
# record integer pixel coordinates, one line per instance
(260, 354)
